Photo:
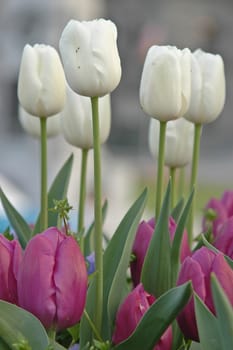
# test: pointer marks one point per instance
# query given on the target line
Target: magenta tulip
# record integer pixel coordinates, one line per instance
(10, 258)
(142, 241)
(220, 215)
(222, 208)
(52, 280)
(130, 313)
(198, 269)
(224, 239)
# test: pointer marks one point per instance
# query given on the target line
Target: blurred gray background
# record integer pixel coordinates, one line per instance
(141, 23)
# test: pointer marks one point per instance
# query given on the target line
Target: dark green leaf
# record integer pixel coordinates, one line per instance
(224, 312)
(156, 320)
(207, 326)
(175, 250)
(18, 223)
(156, 271)
(175, 213)
(114, 264)
(57, 191)
(17, 324)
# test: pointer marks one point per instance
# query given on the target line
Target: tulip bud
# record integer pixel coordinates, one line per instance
(142, 241)
(130, 313)
(207, 87)
(52, 281)
(165, 82)
(198, 269)
(178, 142)
(90, 57)
(224, 239)
(76, 120)
(10, 258)
(41, 84)
(31, 124)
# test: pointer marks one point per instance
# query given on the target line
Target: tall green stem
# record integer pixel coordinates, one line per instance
(159, 185)
(193, 182)
(181, 182)
(44, 197)
(173, 186)
(82, 197)
(98, 215)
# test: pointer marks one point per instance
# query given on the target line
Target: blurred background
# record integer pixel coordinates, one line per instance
(127, 164)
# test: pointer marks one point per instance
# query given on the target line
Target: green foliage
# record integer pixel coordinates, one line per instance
(18, 223)
(57, 192)
(157, 318)
(116, 261)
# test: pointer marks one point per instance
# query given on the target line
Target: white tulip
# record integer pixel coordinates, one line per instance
(76, 119)
(178, 142)
(90, 57)
(207, 87)
(165, 82)
(31, 124)
(41, 84)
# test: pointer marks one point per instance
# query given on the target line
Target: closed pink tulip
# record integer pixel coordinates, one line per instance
(52, 280)
(223, 209)
(130, 313)
(142, 241)
(224, 240)
(10, 258)
(198, 269)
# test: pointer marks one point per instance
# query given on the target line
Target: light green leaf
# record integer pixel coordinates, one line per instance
(18, 223)
(57, 191)
(17, 324)
(207, 326)
(116, 260)
(224, 312)
(156, 270)
(156, 320)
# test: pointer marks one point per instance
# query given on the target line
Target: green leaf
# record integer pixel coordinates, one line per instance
(176, 244)
(207, 326)
(56, 346)
(17, 324)
(156, 270)
(89, 236)
(224, 312)
(3, 345)
(18, 223)
(57, 191)
(177, 210)
(156, 320)
(115, 262)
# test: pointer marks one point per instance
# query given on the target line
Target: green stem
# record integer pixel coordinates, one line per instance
(193, 183)
(173, 186)
(159, 185)
(98, 215)
(181, 182)
(82, 198)
(98, 337)
(44, 198)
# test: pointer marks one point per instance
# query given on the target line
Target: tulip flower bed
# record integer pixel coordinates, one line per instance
(151, 286)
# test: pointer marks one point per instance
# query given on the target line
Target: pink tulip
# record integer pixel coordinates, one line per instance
(10, 258)
(224, 240)
(198, 269)
(130, 313)
(223, 209)
(52, 280)
(142, 241)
